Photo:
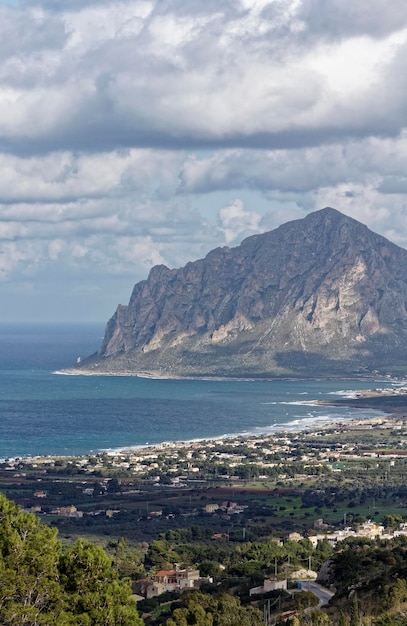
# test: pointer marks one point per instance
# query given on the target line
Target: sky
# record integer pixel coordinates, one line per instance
(152, 131)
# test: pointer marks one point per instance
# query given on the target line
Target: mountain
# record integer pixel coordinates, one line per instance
(320, 296)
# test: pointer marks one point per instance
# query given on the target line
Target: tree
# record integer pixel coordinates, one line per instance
(231, 613)
(323, 551)
(29, 554)
(354, 612)
(392, 521)
(160, 554)
(209, 568)
(127, 561)
(113, 486)
(396, 593)
(391, 620)
(92, 587)
(199, 609)
(319, 618)
(191, 615)
(41, 585)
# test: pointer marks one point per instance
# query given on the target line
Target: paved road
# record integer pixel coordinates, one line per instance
(324, 595)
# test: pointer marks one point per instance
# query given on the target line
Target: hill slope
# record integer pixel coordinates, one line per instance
(323, 295)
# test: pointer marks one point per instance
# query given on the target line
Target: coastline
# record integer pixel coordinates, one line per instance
(390, 401)
(73, 371)
(387, 421)
(360, 400)
(291, 420)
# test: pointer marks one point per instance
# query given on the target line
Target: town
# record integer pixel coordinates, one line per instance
(258, 514)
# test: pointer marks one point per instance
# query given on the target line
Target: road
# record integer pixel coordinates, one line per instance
(324, 595)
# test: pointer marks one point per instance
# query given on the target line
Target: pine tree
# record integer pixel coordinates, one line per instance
(42, 586)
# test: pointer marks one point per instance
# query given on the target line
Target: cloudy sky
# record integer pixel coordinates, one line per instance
(151, 131)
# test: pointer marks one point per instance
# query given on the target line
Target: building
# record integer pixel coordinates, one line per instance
(172, 580)
(211, 508)
(68, 511)
(270, 584)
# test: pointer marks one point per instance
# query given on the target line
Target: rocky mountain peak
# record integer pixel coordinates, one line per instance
(322, 295)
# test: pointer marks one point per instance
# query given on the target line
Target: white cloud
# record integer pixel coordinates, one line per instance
(234, 221)
(64, 176)
(55, 249)
(143, 132)
(154, 74)
(14, 256)
(377, 162)
(338, 19)
(138, 251)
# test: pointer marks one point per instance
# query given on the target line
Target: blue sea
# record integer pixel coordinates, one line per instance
(43, 412)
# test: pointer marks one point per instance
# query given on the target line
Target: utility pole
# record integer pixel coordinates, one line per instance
(266, 613)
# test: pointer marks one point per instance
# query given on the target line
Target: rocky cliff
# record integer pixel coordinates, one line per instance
(319, 296)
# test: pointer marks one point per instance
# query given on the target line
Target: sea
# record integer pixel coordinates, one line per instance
(45, 412)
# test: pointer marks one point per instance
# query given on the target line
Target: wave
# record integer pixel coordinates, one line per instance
(304, 423)
(293, 402)
(345, 393)
(74, 373)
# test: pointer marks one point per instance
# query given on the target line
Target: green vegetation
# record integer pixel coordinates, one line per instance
(200, 609)
(371, 582)
(42, 584)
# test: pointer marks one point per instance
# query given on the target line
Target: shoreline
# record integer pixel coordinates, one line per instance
(344, 424)
(360, 402)
(386, 400)
(73, 371)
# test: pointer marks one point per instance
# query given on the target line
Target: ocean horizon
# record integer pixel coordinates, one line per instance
(44, 413)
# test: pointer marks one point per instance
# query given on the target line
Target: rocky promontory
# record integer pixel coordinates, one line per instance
(321, 296)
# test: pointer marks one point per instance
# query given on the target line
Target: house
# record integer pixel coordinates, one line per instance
(40, 494)
(172, 580)
(270, 584)
(319, 523)
(68, 511)
(211, 508)
(295, 537)
(220, 536)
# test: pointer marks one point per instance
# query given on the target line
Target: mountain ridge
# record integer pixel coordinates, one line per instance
(322, 294)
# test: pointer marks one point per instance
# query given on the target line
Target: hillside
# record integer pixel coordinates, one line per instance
(319, 296)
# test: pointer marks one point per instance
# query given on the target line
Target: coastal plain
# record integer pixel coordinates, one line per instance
(277, 483)
(240, 515)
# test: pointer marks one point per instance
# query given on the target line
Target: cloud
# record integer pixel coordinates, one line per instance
(65, 176)
(381, 162)
(234, 221)
(105, 75)
(143, 132)
(13, 256)
(346, 18)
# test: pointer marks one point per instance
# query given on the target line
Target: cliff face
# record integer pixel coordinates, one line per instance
(323, 295)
